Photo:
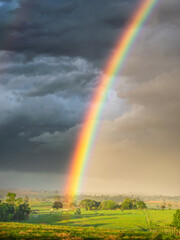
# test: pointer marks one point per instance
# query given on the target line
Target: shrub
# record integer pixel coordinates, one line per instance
(77, 212)
(176, 219)
(57, 205)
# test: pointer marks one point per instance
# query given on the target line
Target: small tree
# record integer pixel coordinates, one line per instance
(11, 198)
(169, 205)
(163, 207)
(141, 205)
(77, 212)
(57, 205)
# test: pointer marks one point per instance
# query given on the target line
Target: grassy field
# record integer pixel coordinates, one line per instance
(137, 220)
(99, 224)
(113, 219)
(17, 231)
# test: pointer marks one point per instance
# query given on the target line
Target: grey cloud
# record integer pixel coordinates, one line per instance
(167, 12)
(158, 47)
(73, 28)
(23, 150)
(44, 95)
(44, 75)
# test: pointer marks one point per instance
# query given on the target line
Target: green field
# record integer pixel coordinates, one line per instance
(112, 219)
(17, 231)
(137, 220)
(96, 224)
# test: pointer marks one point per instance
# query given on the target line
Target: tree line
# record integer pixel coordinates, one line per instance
(14, 209)
(89, 204)
(110, 204)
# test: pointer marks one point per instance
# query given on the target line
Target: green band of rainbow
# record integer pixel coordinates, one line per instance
(113, 66)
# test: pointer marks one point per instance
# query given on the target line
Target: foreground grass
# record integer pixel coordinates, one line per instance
(13, 231)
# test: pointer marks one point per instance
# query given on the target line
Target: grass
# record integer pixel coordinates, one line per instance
(17, 231)
(99, 224)
(137, 220)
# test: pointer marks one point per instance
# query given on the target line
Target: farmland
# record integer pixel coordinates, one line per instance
(42, 231)
(139, 220)
(45, 223)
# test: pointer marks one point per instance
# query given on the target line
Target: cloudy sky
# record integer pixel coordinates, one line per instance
(52, 53)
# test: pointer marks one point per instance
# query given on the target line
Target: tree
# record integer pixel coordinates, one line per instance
(11, 198)
(163, 206)
(141, 205)
(176, 219)
(169, 205)
(127, 204)
(6, 212)
(85, 203)
(133, 204)
(14, 210)
(77, 212)
(89, 204)
(19, 201)
(57, 205)
(22, 211)
(108, 205)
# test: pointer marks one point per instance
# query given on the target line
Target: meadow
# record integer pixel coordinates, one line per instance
(43, 223)
(140, 220)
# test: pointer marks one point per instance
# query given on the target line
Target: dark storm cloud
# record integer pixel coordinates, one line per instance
(21, 153)
(41, 102)
(50, 72)
(72, 28)
(44, 75)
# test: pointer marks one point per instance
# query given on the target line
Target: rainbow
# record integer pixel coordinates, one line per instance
(114, 64)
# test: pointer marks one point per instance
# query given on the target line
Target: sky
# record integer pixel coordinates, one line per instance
(52, 54)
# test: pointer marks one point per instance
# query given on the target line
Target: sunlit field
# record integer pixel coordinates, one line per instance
(45, 223)
(42, 231)
(140, 220)
(102, 224)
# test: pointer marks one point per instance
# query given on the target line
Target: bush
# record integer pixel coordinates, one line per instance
(77, 212)
(176, 219)
(57, 205)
